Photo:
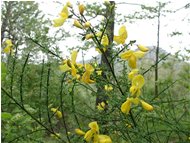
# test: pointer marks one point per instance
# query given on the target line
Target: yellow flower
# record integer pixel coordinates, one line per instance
(77, 24)
(69, 4)
(94, 127)
(87, 24)
(122, 36)
(126, 106)
(88, 136)
(146, 106)
(89, 36)
(81, 8)
(57, 112)
(8, 49)
(101, 106)
(108, 87)
(142, 48)
(70, 65)
(104, 139)
(132, 73)
(105, 41)
(99, 72)
(63, 16)
(132, 57)
(86, 76)
(137, 84)
(79, 132)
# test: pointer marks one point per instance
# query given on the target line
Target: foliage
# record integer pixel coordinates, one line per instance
(54, 100)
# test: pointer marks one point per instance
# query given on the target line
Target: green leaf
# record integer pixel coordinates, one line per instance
(6, 116)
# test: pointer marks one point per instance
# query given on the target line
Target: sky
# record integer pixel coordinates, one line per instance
(143, 31)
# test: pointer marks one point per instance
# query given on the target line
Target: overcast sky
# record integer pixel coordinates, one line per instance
(144, 31)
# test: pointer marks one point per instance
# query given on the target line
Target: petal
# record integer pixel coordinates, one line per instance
(146, 106)
(88, 136)
(132, 62)
(135, 100)
(139, 54)
(125, 107)
(74, 57)
(77, 24)
(138, 81)
(94, 126)
(64, 68)
(142, 48)
(58, 22)
(79, 132)
(65, 10)
(104, 139)
(123, 32)
(126, 55)
(105, 41)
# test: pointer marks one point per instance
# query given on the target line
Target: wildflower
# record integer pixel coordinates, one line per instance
(70, 65)
(57, 112)
(132, 57)
(101, 106)
(87, 24)
(137, 84)
(8, 49)
(89, 36)
(146, 106)
(142, 48)
(79, 132)
(81, 9)
(105, 41)
(69, 4)
(132, 73)
(86, 76)
(108, 87)
(122, 35)
(63, 16)
(126, 106)
(77, 24)
(99, 72)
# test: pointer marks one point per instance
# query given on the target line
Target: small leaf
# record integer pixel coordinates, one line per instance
(6, 116)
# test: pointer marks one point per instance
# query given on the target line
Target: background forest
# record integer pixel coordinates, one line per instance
(41, 102)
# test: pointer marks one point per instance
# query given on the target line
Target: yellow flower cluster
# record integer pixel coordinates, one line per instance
(93, 134)
(8, 49)
(76, 69)
(136, 79)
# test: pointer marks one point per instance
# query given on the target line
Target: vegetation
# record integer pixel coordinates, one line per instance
(110, 99)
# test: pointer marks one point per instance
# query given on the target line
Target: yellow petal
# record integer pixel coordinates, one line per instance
(69, 4)
(89, 67)
(105, 41)
(98, 50)
(119, 40)
(8, 42)
(138, 81)
(123, 32)
(74, 57)
(104, 139)
(126, 55)
(139, 54)
(146, 106)
(99, 34)
(79, 132)
(88, 135)
(132, 62)
(133, 90)
(132, 73)
(65, 10)
(134, 100)
(81, 9)
(59, 21)
(94, 126)
(125, 107)
(77, 24)
(8, 50)
(142, 48)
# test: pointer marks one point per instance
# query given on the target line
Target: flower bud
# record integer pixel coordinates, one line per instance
(87, 24)
(77, 24)
(81, 8)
